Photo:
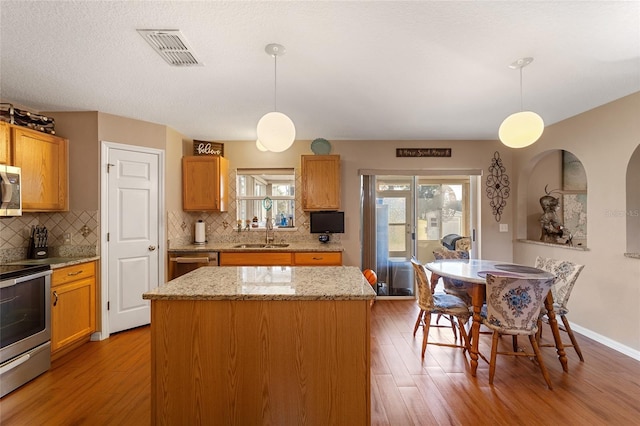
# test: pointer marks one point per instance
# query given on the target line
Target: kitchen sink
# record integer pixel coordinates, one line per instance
(273, 245)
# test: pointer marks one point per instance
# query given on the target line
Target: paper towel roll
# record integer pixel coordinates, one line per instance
(200, 235)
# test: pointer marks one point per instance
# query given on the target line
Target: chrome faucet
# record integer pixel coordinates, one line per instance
(268, 226)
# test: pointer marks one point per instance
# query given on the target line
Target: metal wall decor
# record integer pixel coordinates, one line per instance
(497, 186)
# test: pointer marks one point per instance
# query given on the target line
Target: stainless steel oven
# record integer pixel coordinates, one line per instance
(25, 324)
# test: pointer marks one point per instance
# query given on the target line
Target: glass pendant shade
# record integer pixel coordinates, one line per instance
(521, 129)
(276, 131)
(260, 146)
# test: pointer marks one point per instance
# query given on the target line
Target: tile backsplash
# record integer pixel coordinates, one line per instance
(82, 228)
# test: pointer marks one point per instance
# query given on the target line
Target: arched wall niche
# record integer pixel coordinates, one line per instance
(633, 203)
(561, 174)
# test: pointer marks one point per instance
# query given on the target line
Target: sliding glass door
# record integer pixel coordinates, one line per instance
(405, 216)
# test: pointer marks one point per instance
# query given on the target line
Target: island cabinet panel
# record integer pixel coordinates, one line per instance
(205, 183)
(320, 182)
(253, 362)
(317, 259)
(255, 259)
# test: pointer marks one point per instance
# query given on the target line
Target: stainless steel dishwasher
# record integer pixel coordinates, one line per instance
(186, 261)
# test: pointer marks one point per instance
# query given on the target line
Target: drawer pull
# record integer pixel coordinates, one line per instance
(73, 274)
(317, 258)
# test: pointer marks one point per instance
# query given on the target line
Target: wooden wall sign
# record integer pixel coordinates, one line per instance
(423, 152)
(208, 148)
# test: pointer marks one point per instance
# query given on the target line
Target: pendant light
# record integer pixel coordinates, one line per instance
(275, 130)
(522, 128)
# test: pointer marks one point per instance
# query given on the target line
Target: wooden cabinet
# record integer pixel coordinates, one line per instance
(260, 258)
(73, 306)
(43, 159)
(255, 258)
(320, 182)
(5, 153)
(317, 259)
(205, 183)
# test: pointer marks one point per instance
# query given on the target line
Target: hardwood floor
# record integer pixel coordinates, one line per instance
(108, 383)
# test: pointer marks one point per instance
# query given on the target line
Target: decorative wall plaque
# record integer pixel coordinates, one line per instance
(497, 186)
(208, 148)
(423, 152)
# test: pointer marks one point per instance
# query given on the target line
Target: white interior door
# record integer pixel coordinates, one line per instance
(132, 234)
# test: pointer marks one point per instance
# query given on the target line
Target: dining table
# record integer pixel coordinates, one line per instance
(474, 271)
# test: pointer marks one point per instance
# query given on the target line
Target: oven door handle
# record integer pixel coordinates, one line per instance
(190, 259)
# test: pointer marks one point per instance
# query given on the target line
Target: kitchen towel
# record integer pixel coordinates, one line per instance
(200, 235)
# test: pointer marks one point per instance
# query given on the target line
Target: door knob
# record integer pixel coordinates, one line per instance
(152, 248)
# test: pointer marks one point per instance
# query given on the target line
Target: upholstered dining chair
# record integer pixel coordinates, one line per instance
(513, 306)
(438, 303)
(453, 286)
(566, 275)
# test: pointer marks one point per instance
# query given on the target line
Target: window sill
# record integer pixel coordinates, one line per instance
(562, 246)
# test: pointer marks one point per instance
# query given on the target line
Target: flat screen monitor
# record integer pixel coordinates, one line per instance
(327, 222)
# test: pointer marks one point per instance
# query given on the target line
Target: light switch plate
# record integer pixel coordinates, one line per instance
(504, 227)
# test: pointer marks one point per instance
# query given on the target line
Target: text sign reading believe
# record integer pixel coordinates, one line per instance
(208, 148)
(423, 152)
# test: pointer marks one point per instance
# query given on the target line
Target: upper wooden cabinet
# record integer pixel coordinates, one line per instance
(205, 183)
(320, 182)
(43, 159)
(5, 153)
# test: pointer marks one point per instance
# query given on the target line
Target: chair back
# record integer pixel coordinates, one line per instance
(566, 275)
(445, 253)
(513, 304)
(425, 298)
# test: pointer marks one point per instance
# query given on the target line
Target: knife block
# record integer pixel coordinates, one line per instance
(37, 252)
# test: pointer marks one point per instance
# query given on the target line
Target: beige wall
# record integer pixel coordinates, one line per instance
(606, 297)
(81, 128)
(605, 300)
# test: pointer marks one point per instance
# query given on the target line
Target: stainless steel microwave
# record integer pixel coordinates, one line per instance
(10, 195)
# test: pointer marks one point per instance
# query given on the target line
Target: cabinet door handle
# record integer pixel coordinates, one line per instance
(55, 298)
(72, 274)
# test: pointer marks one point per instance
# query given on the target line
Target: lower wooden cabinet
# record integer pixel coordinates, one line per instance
(73, 306)
(256, 258)
(333, 258)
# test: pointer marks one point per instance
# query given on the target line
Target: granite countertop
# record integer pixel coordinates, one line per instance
(55, 262)
(306, 246)
(267, 283)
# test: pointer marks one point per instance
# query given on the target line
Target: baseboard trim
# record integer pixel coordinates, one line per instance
(617, 346)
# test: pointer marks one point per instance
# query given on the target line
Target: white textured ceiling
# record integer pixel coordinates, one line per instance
(353, 70)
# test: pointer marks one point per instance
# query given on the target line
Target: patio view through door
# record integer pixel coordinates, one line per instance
(405, 216)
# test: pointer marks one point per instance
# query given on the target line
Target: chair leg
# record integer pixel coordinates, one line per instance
(494, 352)
(536, 349)
(425, 332)
(574, 341)
(514, 342)
(453, 328)
(415, 327)
(464, 337)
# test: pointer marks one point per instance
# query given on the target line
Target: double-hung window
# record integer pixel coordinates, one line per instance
(265, 194)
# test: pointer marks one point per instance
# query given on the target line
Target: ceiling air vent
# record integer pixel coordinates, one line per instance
(172, 46)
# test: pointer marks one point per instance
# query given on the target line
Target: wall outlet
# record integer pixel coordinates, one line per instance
(67, 237)
(504, 227)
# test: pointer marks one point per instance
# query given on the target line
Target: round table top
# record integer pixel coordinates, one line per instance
(475, 270)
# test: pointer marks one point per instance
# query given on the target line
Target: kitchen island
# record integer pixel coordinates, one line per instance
(261, 345)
